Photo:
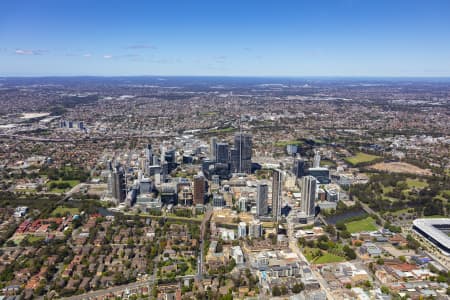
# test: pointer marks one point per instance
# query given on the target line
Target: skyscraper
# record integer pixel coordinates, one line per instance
(149, 153)
(308, 186)
(299, 168)
(262, 191)
(242, 230)
(199, 189)
(213, 148)
(276, 194)
(316, 162)
(222, 153)
(243, 146)
(118, 186)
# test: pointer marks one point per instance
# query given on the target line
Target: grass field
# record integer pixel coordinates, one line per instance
(223, 130)
(360, 158)
(33, 239)
(414, 183)
(72, 183)
(325, 162)
(328, 258)
(367, 224)
(62, 211)
(285, 143)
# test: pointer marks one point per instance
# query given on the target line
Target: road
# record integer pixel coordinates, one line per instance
(120, 288)
(203, 229)
(293, 245)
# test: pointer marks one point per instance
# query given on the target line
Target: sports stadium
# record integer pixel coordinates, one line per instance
(436, 231)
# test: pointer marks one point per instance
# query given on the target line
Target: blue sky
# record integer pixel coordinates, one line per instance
(245, 38)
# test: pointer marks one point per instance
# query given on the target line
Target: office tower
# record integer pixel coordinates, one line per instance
(316, 162)
(291, 149)
(299, 168)
(218, 200)
(169, 193)
(215, 179)
(255, 229)
(234, 160)
(242, 202)
(243, 146)
(213, 148)
(186, 196)
(242, 230)
(149, 153)
(199, 189)
(222, 153)
(277, 178)
(145, 186)
(262, 192)
(308, 186)
(118, 186)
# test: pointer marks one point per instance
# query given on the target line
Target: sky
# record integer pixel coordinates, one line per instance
(225, 38)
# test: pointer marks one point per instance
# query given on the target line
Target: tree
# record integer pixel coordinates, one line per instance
(385, 290)
(276, 292)
(298, 287)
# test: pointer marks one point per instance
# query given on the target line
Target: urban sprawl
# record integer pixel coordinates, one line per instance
(224, 188)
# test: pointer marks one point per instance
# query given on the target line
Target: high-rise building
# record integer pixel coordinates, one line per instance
(255, 229)
(262, 192)
(222, 153)
(218, 200)
(242, 230)
(299, 168)
(234, 160)
(199, 189)
(316, 162)
(118, 186)
(308, 186)
(149, 153)
(213, 148)
(277, 178)
(243, 146)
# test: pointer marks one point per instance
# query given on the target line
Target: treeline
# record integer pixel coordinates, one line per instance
(425, 201)
(67, 173)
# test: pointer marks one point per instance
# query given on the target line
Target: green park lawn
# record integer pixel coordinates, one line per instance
(285, 143)
(223, 130)
(414, 183)
(325, 258)
(63, 210)
(367, 224)
(328, 258)
(71, 183)
(360, 158)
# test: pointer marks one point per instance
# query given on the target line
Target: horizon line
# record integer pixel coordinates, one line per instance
(239, 76)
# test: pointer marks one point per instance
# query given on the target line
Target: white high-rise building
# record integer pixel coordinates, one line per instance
(316, 162)
(255, 229)
(308, 186)
(242, 230)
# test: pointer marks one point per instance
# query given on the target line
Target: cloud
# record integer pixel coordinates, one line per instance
(141, 46)
(220, 59)
(87, 55)
(30, 52)
(107, 56)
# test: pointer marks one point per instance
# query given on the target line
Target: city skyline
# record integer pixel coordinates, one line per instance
(296, 39)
